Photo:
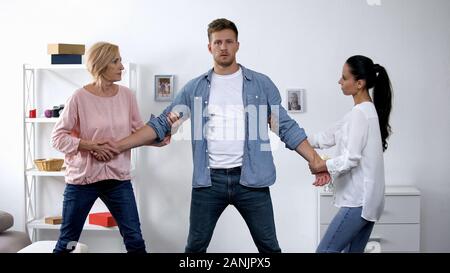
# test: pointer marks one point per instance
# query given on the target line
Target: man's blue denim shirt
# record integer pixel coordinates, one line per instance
(261, 99)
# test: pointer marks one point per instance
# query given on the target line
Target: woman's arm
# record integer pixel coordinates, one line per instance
(103, 150)
(64, 136)
(357, 139)
(144, 136)
(325, 139)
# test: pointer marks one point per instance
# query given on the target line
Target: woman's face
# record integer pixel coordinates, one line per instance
(348, 83)
(113, 72)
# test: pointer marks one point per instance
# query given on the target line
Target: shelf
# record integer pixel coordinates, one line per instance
(402, 190)
(36, 172)
(40, 224)
(62, 66)
(390, 190)
(55, 66)
(41, 120)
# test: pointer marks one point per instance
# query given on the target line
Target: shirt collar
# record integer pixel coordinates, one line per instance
(245, 72)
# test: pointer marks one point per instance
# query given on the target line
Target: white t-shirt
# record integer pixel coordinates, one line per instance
(358, 168)
(225, 131)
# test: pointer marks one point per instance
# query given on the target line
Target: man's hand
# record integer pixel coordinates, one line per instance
(318, 165)
(166, 141)
(104, 150)
(322, 179)
(174, 120)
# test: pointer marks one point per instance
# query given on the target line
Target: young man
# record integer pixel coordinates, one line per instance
(233, 162)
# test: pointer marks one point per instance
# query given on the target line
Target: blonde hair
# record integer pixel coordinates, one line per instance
(98, 57)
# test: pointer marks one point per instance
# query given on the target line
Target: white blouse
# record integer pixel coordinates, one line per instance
(358, 169)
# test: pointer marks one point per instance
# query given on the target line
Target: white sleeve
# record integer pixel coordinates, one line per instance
(357, 140)
(325, 139)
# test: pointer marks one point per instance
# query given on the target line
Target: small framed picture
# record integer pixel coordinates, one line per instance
(164, 89)
(296, 100)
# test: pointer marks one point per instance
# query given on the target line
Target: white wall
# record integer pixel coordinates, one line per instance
(298, 44)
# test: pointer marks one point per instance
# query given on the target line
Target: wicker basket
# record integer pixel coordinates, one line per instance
(49, 165)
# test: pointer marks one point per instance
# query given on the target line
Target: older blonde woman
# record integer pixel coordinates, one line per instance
(100, 111)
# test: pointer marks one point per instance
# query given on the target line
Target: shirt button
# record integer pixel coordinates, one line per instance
(256, 96)
(206, 101)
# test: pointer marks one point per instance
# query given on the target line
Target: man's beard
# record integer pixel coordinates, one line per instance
(224, 63)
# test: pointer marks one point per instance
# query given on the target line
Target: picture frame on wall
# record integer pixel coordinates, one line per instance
(164, 87)
(296, 100)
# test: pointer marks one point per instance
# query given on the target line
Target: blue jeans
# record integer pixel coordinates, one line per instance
(254, 204)
(117, 195)
(347, 232)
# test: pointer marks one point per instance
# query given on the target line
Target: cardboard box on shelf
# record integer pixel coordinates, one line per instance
(65, 49)
(54, 220)
(66, 59)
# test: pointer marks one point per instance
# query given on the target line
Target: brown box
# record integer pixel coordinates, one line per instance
(56, 220)
(54, 49)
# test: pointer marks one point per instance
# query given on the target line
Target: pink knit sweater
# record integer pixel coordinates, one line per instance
(90, 117)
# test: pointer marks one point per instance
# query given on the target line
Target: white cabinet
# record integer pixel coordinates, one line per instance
(43, 87)
(398, 229)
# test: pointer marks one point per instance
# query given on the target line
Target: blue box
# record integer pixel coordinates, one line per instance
(66, 59)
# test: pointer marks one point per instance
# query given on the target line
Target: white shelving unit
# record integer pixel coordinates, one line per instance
(40, 224)
(32, 92)
(41, 120)
(36, 172)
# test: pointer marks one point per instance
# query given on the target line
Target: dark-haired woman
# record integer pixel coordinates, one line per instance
(358, 169)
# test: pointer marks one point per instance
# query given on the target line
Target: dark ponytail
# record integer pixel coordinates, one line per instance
(375, 76)
(382, 98)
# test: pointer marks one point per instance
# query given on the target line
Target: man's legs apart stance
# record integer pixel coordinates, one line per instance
(254, 204)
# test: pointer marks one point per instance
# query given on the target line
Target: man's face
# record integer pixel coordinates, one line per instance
(223, 46)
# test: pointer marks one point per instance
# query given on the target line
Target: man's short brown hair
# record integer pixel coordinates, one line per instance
(221, 24)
